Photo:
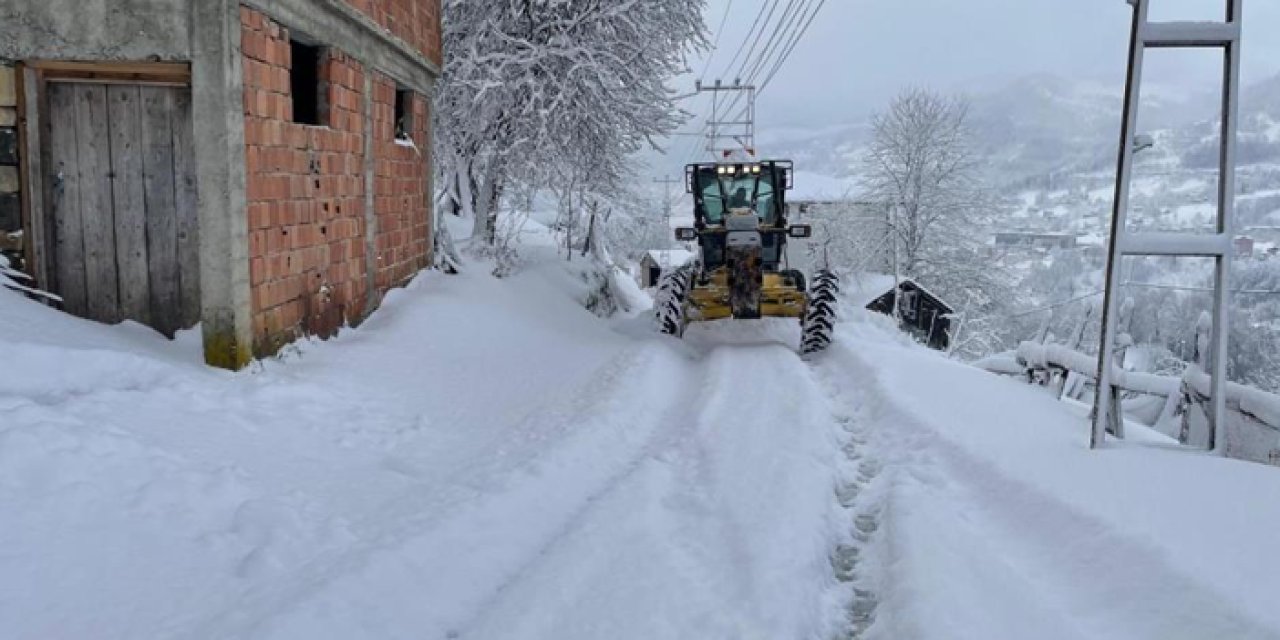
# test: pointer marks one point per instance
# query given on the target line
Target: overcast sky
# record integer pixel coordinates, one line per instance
(859, 53)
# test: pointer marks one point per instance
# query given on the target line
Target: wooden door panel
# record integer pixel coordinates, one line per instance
(64, 199)
(129, 202)
(93, 142)
(162, 223)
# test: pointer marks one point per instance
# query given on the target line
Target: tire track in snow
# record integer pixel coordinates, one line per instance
(723, 533)
(675, 414)
(590, 430)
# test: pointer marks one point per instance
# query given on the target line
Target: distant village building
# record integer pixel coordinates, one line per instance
(1033, 240)
(260, 167)
(656, 262)
(923, 314)
(1244, 247)
(863, 223)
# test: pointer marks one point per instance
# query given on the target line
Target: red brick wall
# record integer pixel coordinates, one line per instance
(400, 189)
(417, 22)
(306, 192)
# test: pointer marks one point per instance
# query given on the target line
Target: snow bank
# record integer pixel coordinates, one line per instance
(1005, 525)
(144, 495)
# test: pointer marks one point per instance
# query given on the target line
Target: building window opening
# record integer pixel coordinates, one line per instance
(304, 82)
(404, 114)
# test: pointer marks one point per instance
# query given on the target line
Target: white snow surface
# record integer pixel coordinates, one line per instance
(1001, 523)
(484, 459)
(481, 459)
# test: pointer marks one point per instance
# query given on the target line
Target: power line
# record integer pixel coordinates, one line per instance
(779, 35)
(1172, 287)
(790, 26)
(773, 7)
(796, 36)
(792, 46)
(715, 45)
(1143, 285)
(1054, 305)
(743, 45)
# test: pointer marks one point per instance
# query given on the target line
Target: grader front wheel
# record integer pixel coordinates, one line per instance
(819, 320)
(668, 305)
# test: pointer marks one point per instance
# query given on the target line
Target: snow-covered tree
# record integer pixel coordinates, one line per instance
(554, 93)
(922, 165)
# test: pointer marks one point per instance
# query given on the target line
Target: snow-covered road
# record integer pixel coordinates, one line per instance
(485, 460)
(481, 460)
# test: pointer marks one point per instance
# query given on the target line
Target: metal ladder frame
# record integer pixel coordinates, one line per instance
(1169, 35)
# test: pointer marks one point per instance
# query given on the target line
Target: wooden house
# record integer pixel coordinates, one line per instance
(922, 314)
(656, 262)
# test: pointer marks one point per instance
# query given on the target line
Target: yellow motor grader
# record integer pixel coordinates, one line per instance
(741, 227)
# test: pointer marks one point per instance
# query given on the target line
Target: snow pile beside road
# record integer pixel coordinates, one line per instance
(1005, 525)
(144, 495)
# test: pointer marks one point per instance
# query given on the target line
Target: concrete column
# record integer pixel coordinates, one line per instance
(218, 102)
(371, 261)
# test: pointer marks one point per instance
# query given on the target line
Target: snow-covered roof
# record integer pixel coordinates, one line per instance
(870, 287)
(672, 257)
(922, 289)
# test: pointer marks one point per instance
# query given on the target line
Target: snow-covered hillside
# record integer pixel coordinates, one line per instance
(485, 459)
(1041, 127)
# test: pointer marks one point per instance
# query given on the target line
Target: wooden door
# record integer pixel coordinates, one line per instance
(122, 203)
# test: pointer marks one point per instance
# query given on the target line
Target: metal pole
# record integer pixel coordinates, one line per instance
(1104, 401)
(1226, 226)
(893, 248)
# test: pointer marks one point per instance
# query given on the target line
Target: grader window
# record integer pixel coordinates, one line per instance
(712, 201)
(764, 202)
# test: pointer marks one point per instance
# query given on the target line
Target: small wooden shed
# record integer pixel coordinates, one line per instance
(922, 314)
(655, 262)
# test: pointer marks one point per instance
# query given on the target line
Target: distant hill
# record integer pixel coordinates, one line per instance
(1042, 125)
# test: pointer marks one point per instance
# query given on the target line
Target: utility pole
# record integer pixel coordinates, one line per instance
(1108, 415)
(730, 132)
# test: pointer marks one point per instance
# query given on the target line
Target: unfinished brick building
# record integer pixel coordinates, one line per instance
(259, 167)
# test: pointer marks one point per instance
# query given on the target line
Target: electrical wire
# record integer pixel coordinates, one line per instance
(781, 33)
(773, 7)
(743, 45)
(715, 45)
(792, 46)
(796, 36)
(787, 32)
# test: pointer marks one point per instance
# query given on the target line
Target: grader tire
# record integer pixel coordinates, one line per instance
(668, 305)
(820, 318)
